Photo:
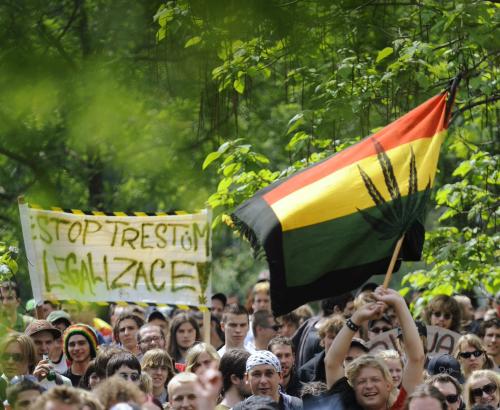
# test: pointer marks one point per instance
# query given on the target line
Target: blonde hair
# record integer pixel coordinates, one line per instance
(194, 353)
(90, 401)
(354, 368)
(179, 379)
(390, 354)
(261, 287)
(26, 345)
(146, 383)
(333, 324)
(114, 390)
(474, 341)
(158, 358)
(478, 374)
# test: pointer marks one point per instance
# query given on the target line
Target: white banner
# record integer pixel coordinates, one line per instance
(439, 340)
(161, 259)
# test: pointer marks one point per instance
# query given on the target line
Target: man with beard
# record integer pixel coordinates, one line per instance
(284, 350)
(234, 388)
(263, 373)
(80, 346)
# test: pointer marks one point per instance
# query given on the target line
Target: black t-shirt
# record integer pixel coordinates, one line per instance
(339, 397)
(75, 378)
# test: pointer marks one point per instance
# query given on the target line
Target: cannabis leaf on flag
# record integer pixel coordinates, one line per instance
(326, 229)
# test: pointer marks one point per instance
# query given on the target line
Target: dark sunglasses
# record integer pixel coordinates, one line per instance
(380, 329)
(452, 398)
(489, 388)
(467, 355)
(446, 316)
(16, 357)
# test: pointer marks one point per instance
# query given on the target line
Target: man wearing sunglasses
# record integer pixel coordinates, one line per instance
(450, 388)
(264, 328)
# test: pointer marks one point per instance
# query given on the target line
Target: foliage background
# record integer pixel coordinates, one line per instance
(120, 105)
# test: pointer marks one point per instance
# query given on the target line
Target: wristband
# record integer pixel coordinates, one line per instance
(351, 325)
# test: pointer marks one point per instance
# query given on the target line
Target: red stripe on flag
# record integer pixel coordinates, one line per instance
(425, 121)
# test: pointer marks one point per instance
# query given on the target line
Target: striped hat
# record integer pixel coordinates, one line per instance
(86, 331)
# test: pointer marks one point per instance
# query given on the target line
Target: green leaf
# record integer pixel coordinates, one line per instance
(295, 122)
(386, 52)
(210, 158)
(231, 169)
(161, 34)
(296, 139)
(192, 41)
(239, 85)
(463, 169)
(261, 158)
(224, 184)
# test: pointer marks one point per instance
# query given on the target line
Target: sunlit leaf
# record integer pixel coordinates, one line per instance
(386, 52)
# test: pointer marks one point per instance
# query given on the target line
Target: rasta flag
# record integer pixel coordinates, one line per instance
(326, 229)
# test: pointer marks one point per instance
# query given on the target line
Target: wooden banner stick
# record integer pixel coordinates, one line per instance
(388, 274)
(206, 325)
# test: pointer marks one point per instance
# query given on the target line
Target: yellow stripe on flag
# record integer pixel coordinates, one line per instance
(333, 196)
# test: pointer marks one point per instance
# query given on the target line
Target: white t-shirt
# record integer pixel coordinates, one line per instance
(249, 347)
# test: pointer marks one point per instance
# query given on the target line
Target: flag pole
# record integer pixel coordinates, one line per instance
(388, 274)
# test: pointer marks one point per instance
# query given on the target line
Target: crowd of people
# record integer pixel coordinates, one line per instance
(81, 356)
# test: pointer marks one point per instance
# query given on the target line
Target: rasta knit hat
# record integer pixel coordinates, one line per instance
(86, 331)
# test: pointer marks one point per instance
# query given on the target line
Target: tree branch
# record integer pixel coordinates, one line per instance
(460, 110)
(70, 21)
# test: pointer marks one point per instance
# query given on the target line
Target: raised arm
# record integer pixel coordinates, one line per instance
(334, 358)
(413, 371)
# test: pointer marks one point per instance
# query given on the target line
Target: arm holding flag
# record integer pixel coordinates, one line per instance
(413, 371)
(334, 360)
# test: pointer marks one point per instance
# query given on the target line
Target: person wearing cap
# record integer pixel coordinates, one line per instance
(263, 373)
(367, 380)
(9, 314)
(44, 336)
(61, 320)
(449, 387)
(447, 364)
(156, 317)
(80, 347)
